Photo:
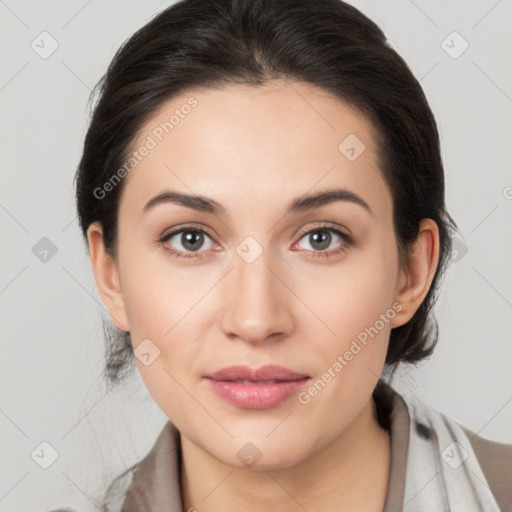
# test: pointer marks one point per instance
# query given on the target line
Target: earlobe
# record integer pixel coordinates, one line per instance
(106, 276)
(415, 281)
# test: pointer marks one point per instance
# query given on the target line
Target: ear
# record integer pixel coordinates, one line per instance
(415, 280)
(107, 277)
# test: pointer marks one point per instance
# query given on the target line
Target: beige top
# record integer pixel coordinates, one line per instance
(153, 484)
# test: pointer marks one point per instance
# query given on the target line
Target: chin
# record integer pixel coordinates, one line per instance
(263, 456)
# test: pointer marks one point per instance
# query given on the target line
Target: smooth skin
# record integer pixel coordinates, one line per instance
(254, 150)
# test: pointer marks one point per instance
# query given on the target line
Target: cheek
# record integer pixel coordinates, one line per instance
(339, 301)
(167, 309)
(349, 297)
(156, 295)
(355, 311)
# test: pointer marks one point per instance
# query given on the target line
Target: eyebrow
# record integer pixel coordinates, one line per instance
(300, 204)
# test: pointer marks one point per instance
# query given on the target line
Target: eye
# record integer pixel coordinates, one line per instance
(187, 242)
(190, 238)
(322, 237)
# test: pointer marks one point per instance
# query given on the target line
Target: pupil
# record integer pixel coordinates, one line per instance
(189, 240)
(322, 243)
(322, 238)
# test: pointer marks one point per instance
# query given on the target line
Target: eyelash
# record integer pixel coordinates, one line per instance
(348, 240)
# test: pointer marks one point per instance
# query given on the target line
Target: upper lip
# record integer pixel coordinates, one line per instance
(265, 373)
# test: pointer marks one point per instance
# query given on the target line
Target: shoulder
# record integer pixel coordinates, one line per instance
(115, 493)
(113, 497)
(495, 459)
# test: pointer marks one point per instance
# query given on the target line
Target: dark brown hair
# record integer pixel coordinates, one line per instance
(326, 43)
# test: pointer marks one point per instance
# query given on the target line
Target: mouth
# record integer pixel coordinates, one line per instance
(260, 388)
(257, 382)
(267, 373)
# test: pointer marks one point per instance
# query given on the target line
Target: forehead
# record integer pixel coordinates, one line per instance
(244, 143)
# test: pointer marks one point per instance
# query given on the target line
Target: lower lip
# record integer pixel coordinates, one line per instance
(256, 396)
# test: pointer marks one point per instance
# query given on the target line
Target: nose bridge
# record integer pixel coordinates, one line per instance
(257, 305)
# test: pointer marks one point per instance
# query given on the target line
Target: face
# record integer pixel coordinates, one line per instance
(311, 288)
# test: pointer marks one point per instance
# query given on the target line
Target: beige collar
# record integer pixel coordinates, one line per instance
(155, 486)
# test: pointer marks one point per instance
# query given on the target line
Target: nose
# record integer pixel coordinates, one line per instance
(257, 305)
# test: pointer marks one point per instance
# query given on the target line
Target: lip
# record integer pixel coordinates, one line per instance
(261, 388)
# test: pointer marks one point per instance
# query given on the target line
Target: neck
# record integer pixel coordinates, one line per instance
(352, 470)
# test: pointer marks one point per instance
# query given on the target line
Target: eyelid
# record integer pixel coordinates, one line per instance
(300, 234)
(318, 226)
(184, 254)
(186, 227)
(327, 225)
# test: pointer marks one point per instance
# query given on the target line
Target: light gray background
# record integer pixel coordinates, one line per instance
(52, 345)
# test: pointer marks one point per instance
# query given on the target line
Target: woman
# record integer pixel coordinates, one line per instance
(262, 195)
